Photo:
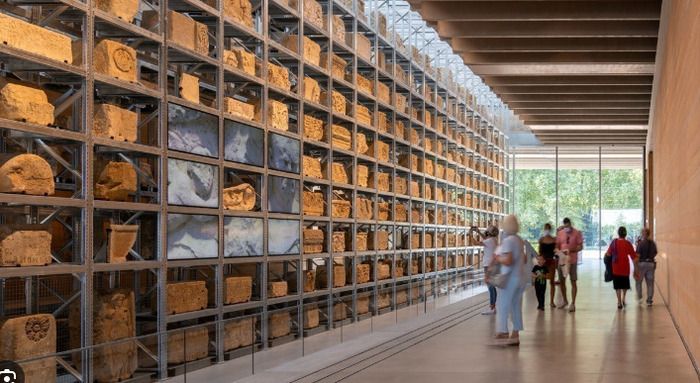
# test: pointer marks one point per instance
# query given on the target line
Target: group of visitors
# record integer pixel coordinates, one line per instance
(510, 265)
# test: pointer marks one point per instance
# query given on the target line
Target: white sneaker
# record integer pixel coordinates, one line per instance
(572, 308)
(488, 311)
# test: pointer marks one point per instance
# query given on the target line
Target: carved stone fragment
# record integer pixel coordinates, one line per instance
(189, 87)
(338, 65)
(25, 103)
(416, 216)
(364, 84)
(238, 289)
(313, 241)
(362, 273)
(338, 28)
(382, 122)
(383, 271)
(26, 174)
(312, 167)
(276, 289)
(313, 12)
(338, 276)
(121, 240)
(383, 92)
(338, 241)
(188, 33)
(400, 185)
(338, 101)
(339, 173)
(240, 11)
(310, 49)
(361, 241)
(278, 76)
(409, 161)
(19, 34)
(400, 213)
(241, 59)
(115, 59)
(363, 208)
(277, 114)
(27, 337)
(382, 180)
(439, 171)
(363, 115)
(382, 240)
(312, 91)
(239, 108)
(427, 166)
(111, 121)
(309, 281)
(341, 137)
(116, 181)
(364, 46)
(340, 311)
(380, 150)
(25, 245)
(362, 305)
(428, 241)
(238, 333)
(361, 143)
(401, 103)
(311, 318)
(313, 203)
(313, 128)
(362, 176)
(383, 211)
(341, 208)
(383, 300)
(401, 297)
(183, 297)
(239, 197)
(188, 345)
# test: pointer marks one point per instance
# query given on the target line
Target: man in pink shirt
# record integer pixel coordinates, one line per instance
(569, 241)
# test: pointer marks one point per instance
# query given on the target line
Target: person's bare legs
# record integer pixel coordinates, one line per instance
(624, 295)
(619, 298)
(551, 292)
(562, 286)
(574, 290)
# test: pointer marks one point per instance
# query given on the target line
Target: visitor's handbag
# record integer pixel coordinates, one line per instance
(563, 264)
(497, 274)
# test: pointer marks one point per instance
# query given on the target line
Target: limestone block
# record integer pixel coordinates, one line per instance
(384, 211)
(362, 305)
(428, 241)
(116, 181)
(339, 173)
(409, 161)
(241, 59)
(363, 115)
(313, 203)
(428, 167)
(381, 23)
(382, 181)
(111, 121)
(30, 336)
(123, 9)
(364, 47)
(400, 185)
(363, 208)
(341, 208)
(25, 245)
(383, 300)
(313, 12)
(19, 34)
(364, 84)
(313, 241)
(239, 10)
(312, 91)
(415, 189)
(312, 167)
(427, 191)
(414, 137)
(338, 65)
(450, 175)
(381, 60)
(361, 143)
(238, 289)
(239, 108)
(26, 174)
(188, 345)
(239, 197)
(440, 171)
(383, 271)
(382, 240)
(415, 241)
(382, 122)
(362, 176)
(338, 28)
(338, 241)
(278, 76)
(115, 59)
(361, 241)
(415, 215)
(380, 150)
(311, 318)
(277, 114)
(238, 333)
(338, 276)
(401, 297)
(362, 273)
(190, 34)
(121, 240)
(311, 51)
(25, 103)
(341, 138)
(183, 297)
(276, 289)
(309, 282)
(400, 213)
(440, 194)
(313, 128)
(340, 311)
(400, 103)
(383, 92)
(189, 87)
(397, 270)
(338, 101)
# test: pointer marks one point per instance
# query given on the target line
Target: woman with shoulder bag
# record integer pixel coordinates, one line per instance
(511, 261)
(620, 253)
(490, 242)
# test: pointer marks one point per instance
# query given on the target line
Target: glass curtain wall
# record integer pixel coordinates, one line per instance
(598, 188)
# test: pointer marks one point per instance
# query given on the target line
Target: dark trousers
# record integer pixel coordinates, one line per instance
(540, 289)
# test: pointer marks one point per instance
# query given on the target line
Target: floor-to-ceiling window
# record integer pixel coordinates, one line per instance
(534, 190)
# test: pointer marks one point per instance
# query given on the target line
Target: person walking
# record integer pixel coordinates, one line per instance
(510, 255)
(547, 244)
(490, 242)
(569, 241)
(646, 250)
(622, 252)
(539, 279)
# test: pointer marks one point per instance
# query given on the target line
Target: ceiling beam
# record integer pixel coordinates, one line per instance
(586, 121)
(564, 44)
(539, 10)
(557, 57)
(577, 97)
(517, 106)
(557, 69)
(567, 80)
(573, 89)
(526, 113)
(526, 29)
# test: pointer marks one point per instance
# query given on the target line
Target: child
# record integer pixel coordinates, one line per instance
(539, 276)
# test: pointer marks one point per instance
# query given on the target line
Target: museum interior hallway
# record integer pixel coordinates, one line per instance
(597, 343)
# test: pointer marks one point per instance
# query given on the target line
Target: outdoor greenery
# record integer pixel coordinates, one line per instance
(535, 199)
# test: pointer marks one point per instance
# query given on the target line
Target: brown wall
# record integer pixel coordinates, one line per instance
(675, 141)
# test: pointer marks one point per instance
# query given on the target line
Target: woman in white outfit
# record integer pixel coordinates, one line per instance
(490, 242)
(510, 297)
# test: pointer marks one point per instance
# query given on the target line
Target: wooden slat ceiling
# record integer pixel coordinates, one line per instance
(558, 62)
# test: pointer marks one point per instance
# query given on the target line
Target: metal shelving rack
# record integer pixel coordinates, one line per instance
(78, 268)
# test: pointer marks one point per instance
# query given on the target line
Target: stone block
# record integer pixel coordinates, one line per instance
(338, 242)
(440, 171)
(276, 289)
(428, 166)
(184, 297)
(382, 181)
(383, 92)
(240, 11)
(362, 273)
(416, 216)
(24, 245)
(278, 76)
(238, 333)
(27, 174)
(415, 189)
(364, 47)
(280, 324)
(362, 176)
(382, 122)
(381, 60)
(123, 9)
(362, 305)
(338, 276)
(413, 137)
(378, 240)
(363, 208)
(116, 181)
(341, 138)
(361, 143)
(401, 297)
(383, 300)
(312, 167)
(27, 337)
(381, 23)
(238, 289)
(25, 103)
(400, 213)
(340, 311)
(313, 12)
(188, 345)
(115, 59)
(189, 87)
(239, 197)
(338, 101)
(397, 270)
(415, 240)
(338, 28)
(190, 34)
(400, 185)
(361, 241)
(364, 84)
(338, 172)
(341, 208)
(363, 115)
(312, 92)
(428, 241)
(427, 191)
(309, 281)
(311, 51)
(380, 150)
(400, 103)
(415, 269)
(121, 240)
(313, 128)
(338, 65)
(313, 241)
(240, 58)
(383, 211)
(440, 194)
(383, 271)
(409, 161)
(239, 108)
(111, 121)
(313, 203)
(277, 114)
(28, 37)
(311, 318)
